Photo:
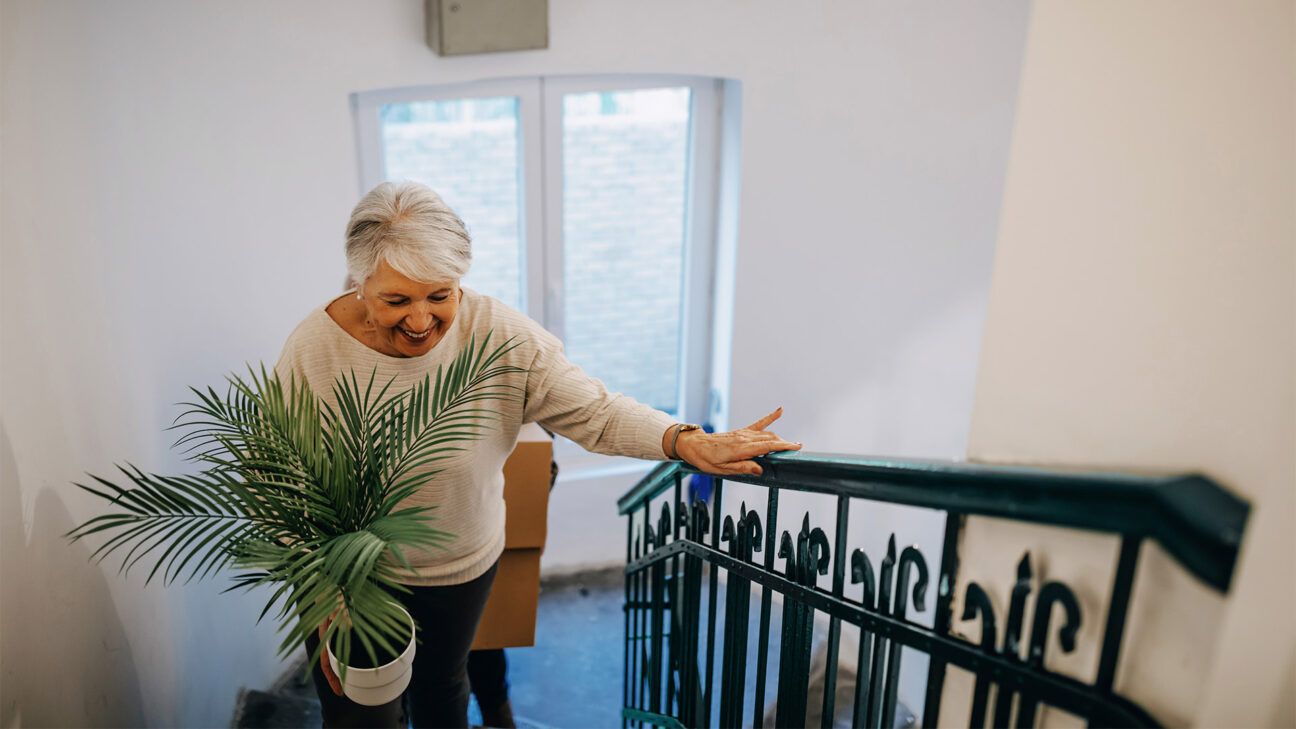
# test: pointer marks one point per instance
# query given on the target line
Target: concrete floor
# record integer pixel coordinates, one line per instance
(572, 676)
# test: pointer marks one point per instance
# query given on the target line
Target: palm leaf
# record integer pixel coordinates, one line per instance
(305, 497)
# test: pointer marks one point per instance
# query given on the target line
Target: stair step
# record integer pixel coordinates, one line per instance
(265, 710)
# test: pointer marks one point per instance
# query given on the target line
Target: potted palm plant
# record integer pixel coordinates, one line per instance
(307, 499)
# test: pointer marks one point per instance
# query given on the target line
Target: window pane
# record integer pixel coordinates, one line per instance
(625, 157)
(466, 150)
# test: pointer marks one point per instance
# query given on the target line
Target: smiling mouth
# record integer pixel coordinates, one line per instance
(417, 337)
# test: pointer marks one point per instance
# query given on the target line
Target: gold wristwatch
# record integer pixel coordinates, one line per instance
(680, 428)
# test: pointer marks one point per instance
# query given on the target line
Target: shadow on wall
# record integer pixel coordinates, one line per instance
(64, 657)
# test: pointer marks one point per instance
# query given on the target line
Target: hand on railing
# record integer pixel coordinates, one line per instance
(730, 453)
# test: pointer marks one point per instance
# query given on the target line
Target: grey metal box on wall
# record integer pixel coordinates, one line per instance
(457, 27)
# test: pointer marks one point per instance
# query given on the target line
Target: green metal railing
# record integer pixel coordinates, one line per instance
(676, 555)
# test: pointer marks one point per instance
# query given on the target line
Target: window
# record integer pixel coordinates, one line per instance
(591, 202)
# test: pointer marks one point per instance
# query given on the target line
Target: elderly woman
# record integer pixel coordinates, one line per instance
(408, 315)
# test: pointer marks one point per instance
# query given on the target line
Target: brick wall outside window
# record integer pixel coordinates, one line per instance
(623, 226)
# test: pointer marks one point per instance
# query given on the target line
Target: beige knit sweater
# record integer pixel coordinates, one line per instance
(469, 492)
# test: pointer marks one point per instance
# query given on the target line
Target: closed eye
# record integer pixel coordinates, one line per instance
(402, 301)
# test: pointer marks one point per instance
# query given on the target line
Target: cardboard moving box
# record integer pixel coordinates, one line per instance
(510, 615)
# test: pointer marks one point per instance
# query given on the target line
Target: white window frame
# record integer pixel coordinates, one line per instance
(541, 227)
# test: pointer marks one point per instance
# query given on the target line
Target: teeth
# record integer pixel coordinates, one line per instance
(412, 335)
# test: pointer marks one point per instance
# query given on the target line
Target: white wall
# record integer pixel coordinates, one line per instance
(1143, 316)
(176, 177)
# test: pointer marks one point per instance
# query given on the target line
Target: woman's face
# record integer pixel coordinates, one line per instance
(408, 317)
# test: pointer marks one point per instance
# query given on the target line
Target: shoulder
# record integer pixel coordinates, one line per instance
(488, 315)
(313, 336)
(307, 330)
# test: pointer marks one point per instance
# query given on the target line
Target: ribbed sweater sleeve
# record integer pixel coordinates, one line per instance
(563, 398)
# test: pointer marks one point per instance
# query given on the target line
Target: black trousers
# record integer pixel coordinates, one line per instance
(488, 675)
(438, 692)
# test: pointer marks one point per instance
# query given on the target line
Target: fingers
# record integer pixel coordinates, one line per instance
(737, 460)
(735, 468)
(759, 448)
(329, 676)
(765, 422)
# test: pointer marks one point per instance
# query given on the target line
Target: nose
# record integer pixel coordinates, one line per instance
(420, 319)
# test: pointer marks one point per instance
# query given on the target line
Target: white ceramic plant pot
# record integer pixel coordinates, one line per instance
(377, 686)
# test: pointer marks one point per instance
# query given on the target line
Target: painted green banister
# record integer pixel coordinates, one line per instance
(1193, 518)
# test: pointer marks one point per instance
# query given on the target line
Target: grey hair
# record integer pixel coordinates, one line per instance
(409, 226)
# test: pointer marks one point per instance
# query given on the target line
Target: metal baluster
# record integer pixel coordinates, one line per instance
(834, 624)
(809, 558)
(1053, 592)
(790, 614)
(645, 599)
(684, 621)
(879, 643)
(729, 660)
(1012, 637)
(762, 650)
(941, 624)
(814, 561)
(711, 604)
(862, 571)
(1122, 589)
(744, 538)
(690, 686)
(884, 598)
(626, 671)
(975, 601)
(676, 596)
(910, 558)
(658, 606)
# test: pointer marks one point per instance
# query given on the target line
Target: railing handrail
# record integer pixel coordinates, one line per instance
(1196, 520)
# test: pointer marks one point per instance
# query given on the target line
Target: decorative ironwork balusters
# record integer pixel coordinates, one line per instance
(1052, 593)
(976, 602)
(910, 559)
(941, 620)
(744, 539)
(879, 658)
(1012, 636)
(862, 572)
(1122, 588)
(808, 558)
(627, 671)
(659, 601)
(762, 637)
(674, 595)
(877, 674)
(708, 682)
(834, 623)
(685, 622)
(643, 685)
(1194, 520)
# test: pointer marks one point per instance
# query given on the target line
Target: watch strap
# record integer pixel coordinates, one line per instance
(680, 428)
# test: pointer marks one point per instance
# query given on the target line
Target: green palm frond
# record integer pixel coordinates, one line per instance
(304, 497)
